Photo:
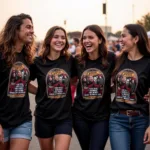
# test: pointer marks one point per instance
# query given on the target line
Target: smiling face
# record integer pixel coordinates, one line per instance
(58, 41)
(25, 33)
(90, 41)
(128, 42)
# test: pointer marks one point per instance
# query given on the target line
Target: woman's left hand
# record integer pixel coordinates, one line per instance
(147, 136)
(146, 97)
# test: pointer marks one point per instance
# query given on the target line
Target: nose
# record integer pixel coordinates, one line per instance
(86, 40)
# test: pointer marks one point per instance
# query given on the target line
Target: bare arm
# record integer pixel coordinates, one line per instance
(32, 89)
(147, 132)
(1, 135)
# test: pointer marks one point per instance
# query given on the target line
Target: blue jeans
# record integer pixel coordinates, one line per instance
(126, 132)
(91, 135)
(23, 131)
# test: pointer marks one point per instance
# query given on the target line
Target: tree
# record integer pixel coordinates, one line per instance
(145, 22)
(118, 33)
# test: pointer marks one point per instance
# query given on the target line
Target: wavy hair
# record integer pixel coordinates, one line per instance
(102, 49)
(8, 39)
(46, 43)
(142, 44)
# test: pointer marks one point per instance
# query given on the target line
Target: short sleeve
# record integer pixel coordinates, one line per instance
(32, 72)
(149, 77)
(111, 60)
(73, 67)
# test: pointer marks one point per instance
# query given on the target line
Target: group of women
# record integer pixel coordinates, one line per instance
(97, 71)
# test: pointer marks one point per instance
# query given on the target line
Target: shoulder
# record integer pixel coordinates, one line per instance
(37, 59)
(111, 56)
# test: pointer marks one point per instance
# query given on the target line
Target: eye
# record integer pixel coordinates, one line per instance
(63, 37)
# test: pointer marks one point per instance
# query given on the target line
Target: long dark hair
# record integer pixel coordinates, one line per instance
(46, 43)
(7, 40)
(142, 44)
(102, 46)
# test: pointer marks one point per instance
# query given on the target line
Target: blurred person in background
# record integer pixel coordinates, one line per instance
(76, 42)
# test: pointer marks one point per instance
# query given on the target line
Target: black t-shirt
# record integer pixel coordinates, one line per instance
(93, 91)
(53, 97)
(132, 83)
(14, 98)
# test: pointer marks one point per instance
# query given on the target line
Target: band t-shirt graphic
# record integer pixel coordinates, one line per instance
(57, 82)
(126, 85)
(92, 82)
(18, 78)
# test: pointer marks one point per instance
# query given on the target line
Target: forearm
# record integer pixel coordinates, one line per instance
(32, 89)
(149, 104)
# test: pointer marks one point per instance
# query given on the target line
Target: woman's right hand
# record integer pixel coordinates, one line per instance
(1, 135)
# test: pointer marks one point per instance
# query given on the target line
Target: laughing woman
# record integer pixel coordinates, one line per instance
(92, 103)
(129, 121)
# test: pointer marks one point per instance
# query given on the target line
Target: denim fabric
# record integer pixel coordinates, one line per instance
(91, 135)
(126, 132)
(22, 131)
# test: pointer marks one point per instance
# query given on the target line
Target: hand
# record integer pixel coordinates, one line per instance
(147, 136)
(146, 97)
(1, 135)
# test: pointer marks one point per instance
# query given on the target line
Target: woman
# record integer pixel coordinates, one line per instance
(92, 103)
(15, 59)
(53, 70)
(129, 121)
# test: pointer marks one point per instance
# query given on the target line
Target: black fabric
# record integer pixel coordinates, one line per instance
(93, 91)
(132, 83)
(53, 97)
(52, 128)
(14, 98)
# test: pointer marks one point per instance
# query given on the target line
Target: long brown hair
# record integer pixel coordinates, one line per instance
(46, 43)
(7, 40)
(142, 44)
(102, 46)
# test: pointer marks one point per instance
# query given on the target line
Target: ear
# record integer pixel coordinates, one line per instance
(136, 39)
(99, 41)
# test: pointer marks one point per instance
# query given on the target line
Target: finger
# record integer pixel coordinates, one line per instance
(145, 137)
(147, 141)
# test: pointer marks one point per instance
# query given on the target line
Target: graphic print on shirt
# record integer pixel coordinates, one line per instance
(57, 83)
(126, 84)
(92, 82)
(18, 79)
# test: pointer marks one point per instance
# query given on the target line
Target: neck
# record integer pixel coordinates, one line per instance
(53, 55)
(134, 55)
(18, 47)
(93, 55)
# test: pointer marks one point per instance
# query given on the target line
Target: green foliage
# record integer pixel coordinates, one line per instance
(145, 22)
(118, 33)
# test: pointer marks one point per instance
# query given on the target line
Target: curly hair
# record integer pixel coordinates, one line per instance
(102, 46)
(46, 43)
(7, 40)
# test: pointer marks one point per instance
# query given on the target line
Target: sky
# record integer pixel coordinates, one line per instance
(77, 13)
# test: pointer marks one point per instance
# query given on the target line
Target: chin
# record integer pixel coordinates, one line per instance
(58, 50)
(124, 50)
(89, 51)
(28, 42)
